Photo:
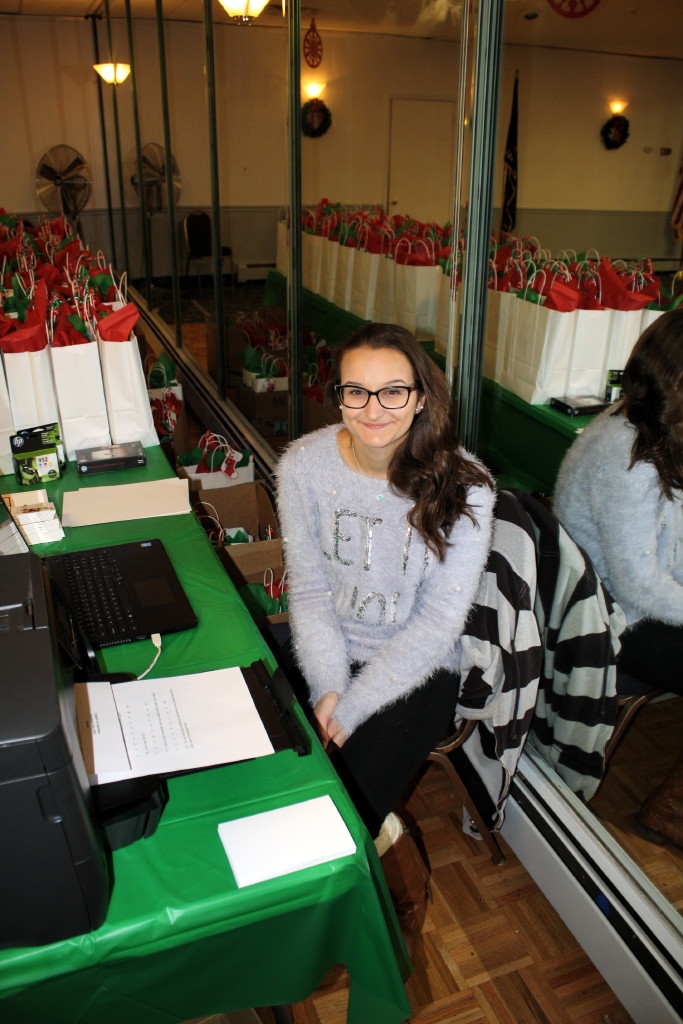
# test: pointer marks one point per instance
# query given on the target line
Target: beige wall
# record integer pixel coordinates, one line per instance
(49, 96)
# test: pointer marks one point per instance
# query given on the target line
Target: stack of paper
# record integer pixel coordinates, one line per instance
(286, 839)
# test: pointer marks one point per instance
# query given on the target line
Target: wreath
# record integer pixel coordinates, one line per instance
(615, 132)
(315, 118)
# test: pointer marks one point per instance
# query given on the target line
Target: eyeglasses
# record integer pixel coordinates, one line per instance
(354, 397)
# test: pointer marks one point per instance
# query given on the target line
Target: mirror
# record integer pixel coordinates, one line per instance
(394, 92)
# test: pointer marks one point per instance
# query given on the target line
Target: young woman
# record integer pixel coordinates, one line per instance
(619, 493)
(386, 526)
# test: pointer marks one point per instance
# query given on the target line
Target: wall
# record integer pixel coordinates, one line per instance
(49, 88)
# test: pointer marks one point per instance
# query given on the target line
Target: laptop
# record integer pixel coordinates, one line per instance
(118, 593)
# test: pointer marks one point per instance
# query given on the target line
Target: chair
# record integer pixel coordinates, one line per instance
(632, 695)
(440, 756)
(500, 668)
(197, 230)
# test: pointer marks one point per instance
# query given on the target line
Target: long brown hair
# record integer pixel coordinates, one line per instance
(429, 467)
(653, 403)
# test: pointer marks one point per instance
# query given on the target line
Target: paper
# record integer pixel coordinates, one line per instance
(286, 839)
(90, 506)
(150, 726)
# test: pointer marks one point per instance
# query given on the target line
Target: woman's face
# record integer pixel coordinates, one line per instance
(374, 427)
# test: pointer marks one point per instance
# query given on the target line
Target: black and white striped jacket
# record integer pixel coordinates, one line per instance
(538, 659)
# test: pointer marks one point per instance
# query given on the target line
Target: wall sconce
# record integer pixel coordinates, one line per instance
(617, 106)
(243, 11)
(113, 74)
(314, 89)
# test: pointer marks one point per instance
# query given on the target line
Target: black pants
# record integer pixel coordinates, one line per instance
(653, 652)
(380, 758)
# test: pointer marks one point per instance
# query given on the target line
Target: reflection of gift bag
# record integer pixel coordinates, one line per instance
(328, 269)
(499, 306)
(6, 426)
(30, 383)
(267, 598)
(344, 276)
(364, 283)
(448, 308)
(311, 260)
(80, 393)
(383, 311)
(125, 390)
(416, 296)
(282, 251)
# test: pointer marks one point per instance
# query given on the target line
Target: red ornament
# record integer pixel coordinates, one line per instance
(313, 46)
(573, 8)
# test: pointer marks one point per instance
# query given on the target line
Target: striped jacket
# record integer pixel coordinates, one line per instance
(538, 659)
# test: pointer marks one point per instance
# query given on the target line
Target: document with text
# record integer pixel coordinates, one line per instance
(179, 723)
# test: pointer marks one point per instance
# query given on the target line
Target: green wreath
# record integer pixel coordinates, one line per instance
(315, 118)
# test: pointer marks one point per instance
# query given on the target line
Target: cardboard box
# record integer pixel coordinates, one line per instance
(246, 505)
(267, 412)
(247, 563)
(317, 415)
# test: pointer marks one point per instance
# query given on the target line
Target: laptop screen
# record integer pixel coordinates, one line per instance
(11, 540)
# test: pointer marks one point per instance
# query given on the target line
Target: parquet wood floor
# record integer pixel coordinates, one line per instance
(493, 950)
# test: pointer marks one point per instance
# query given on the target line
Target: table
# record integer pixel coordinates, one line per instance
(180, 940)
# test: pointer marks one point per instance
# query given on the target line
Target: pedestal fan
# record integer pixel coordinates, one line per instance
(155, 186)
(63, 183)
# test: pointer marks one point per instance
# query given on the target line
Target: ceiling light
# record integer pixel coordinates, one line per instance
(113, 74)
(243, 11)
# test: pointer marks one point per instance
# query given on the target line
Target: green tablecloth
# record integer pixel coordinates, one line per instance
(180, 940)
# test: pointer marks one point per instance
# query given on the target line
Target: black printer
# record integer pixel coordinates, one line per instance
(56, 832)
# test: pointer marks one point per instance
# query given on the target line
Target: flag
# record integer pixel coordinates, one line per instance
(677, 212)
(509, 218)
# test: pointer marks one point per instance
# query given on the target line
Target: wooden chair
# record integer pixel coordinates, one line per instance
(440, 756)
(632, 695)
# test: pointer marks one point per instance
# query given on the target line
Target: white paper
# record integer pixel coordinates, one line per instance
(90, 506)
(167, 725)
(286, 839)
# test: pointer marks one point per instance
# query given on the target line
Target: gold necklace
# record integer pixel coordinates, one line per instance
(380, 497)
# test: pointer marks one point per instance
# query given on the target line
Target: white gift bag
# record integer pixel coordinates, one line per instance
(538, 344)
(328, 268)
(344, 276)
(80, 395)
(31, 387)
(364, 283)
(311, 259)
(624, 331)
(499, 307)
(648, 317)
(416, 297)
(282, 250)
(587, 363)
(6, 426)
(383, 310)
(448, 306)
(125, 391)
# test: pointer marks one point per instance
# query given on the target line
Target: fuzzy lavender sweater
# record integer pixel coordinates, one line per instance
(632, 533)
(363, 586)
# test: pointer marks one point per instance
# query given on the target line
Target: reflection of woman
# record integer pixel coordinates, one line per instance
(620, 494)
(386, 526)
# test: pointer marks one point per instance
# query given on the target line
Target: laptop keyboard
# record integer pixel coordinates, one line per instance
(99, 599)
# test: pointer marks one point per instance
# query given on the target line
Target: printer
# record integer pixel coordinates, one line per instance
(56, 832)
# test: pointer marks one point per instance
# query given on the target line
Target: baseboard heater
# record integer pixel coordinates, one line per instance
(253, 271)
(627, 928)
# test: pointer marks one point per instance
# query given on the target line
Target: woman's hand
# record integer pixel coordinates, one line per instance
(328, 727)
